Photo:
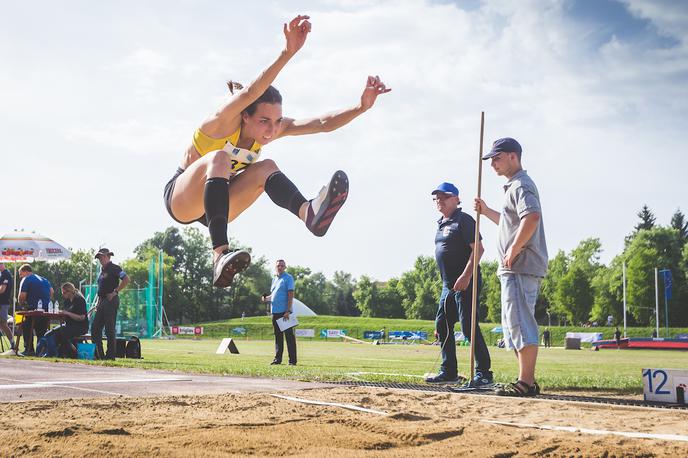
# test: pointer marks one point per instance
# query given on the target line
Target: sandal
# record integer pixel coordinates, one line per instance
(518, 389)
(324, 208)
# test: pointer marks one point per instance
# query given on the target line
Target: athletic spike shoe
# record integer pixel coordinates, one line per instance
(227, 265)
(322, 210)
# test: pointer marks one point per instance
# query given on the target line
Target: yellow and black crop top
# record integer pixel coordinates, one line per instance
(240, 157)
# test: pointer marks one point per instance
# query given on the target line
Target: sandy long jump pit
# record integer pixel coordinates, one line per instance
(245, 417)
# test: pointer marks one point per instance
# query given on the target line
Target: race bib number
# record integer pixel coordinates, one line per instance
(241, 158)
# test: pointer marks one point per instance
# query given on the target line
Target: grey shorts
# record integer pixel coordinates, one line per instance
(519, 294)
(4, 310)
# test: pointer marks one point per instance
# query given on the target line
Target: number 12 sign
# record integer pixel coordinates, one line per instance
(666, 385)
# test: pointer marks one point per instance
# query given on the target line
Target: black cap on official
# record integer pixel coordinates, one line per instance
(104, 251)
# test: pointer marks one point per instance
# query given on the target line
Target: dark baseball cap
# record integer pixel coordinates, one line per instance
(504, 145)
(104, 251)
(446, 188)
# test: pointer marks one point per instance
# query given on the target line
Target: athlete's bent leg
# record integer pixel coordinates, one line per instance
(264, 175)
(188, 203)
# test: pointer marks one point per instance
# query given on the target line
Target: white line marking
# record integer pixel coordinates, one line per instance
(332, 404)
(88, 382)
(94, 390)
(573, 429)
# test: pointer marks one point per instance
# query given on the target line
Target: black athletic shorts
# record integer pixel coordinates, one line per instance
(167, 194)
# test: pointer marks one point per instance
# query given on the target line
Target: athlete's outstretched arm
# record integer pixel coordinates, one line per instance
(336, 119)
(295, 34)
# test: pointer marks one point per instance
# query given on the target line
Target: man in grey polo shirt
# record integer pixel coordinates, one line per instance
(523, 261)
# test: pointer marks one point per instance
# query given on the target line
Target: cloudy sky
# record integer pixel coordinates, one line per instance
(98, 101)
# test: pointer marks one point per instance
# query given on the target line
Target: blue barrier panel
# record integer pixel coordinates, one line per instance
(372, 335)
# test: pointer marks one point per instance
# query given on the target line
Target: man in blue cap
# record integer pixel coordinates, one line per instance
(454, 245)
(523, 261)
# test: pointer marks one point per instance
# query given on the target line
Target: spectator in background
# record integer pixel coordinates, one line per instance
(617, 337)
(34, 291)
(6, 286)
(111, 281)
(281, 298)
(76, 320)
(547, 338)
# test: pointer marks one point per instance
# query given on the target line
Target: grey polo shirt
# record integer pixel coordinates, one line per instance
(520, 199)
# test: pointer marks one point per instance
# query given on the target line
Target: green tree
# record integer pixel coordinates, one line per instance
(567, 288)
(647, 222)
(420, 289)
(490, 296)
(558, 266)
(339, 294)
(311, 290)
(678, 222)
(660, 247)
(170, 241)
(574, 294)
(390, 299)
(647, 219)
(607, 285)
(366, 297)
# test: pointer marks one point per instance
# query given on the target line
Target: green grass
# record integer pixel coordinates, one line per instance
(260, 327)
(609, 370)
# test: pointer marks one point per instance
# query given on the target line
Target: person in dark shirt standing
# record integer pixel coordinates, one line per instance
(454, 245)
(111, 281)
(76, 322)
(6, 286)
(36, 292)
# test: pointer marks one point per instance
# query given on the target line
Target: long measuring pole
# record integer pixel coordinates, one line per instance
(476, 251)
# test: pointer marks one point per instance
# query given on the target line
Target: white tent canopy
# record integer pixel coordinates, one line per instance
(301, 309)
(22, 246)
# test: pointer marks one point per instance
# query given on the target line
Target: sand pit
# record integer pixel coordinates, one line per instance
(417, 424)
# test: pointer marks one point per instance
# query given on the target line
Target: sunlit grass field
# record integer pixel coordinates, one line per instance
(608, 370)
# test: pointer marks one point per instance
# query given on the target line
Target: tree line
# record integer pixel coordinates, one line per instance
(578, 288)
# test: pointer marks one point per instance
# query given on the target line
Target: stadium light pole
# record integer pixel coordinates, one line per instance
(624, 296)
(666, 306)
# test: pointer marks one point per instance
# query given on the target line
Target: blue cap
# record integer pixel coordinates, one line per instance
(504, 145)
(446, 188)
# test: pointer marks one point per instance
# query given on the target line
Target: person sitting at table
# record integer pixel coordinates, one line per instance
(76, 320)
(34, 291)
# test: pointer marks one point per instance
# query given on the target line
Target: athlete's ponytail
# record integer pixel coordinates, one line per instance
(271, 96)
(232, 85)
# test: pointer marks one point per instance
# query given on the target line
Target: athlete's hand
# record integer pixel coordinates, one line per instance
(295, 32)
(374, 87)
